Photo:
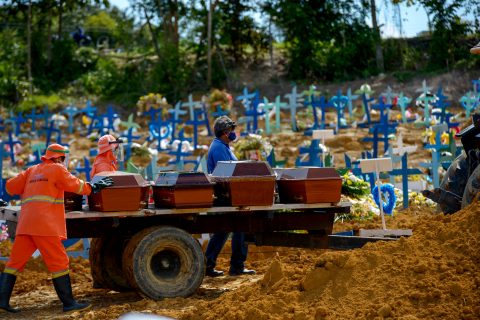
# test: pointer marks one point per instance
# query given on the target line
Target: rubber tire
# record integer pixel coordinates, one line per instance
(141, 254)
(472, 188)
(456, 177)
(106, 263)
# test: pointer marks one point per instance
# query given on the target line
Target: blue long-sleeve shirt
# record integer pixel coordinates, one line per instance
(218, 151)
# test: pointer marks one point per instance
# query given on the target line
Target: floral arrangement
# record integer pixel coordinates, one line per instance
(252, 147)
(354, 187)
(220, 98)
(3, 232)
(152, 100)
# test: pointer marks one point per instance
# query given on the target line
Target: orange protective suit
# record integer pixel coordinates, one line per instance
(42, 217)
(104, 162)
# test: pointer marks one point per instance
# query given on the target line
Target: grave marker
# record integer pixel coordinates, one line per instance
(294, 100)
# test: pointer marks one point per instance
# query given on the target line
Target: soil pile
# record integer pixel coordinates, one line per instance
(435, 274)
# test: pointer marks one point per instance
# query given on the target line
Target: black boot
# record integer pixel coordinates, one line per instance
(7, 281)
(63, 287)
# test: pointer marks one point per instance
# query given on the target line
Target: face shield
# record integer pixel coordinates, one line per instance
(117, 148)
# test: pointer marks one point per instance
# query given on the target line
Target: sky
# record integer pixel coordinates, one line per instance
(414, 18)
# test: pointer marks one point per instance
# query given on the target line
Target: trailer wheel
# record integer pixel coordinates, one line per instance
(455, 179)
(106, 263)
(163, 262)
(472, 188)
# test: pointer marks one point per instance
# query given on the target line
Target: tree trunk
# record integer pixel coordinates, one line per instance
(209, 45)
(378, 38)
(154, 37)
(60, 19)
(29, 47)
(49, 37)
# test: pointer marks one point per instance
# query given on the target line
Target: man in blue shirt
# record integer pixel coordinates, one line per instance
(219, 150)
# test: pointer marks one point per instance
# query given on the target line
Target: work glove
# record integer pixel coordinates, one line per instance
(3, 203)
(105, 182)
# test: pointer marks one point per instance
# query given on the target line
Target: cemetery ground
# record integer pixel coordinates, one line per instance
(434, 274)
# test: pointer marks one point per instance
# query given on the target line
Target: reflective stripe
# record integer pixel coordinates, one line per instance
(10, 270)
(80, 189)
(58, 274)
(43, 199)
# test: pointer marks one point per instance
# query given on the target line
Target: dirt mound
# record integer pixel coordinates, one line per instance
(432, 275)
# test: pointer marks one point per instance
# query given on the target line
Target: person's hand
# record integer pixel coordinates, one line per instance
(3, 203)
(105, 182)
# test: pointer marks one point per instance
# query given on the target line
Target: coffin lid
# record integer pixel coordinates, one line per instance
(182, 178)
(122, 179)
(306, 173)
(242, 168)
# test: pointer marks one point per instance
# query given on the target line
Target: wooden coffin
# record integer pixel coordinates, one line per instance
(72, 201)
(243, 183)
(309, 185)
(128, 193)
(183, 190)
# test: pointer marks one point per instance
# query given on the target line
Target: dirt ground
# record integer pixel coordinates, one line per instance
(434, 274)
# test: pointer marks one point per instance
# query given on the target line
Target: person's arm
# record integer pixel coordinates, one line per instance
(100, 167)
(68, 182)
(16, 185)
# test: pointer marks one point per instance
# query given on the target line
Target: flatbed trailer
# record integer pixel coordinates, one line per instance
(154, 252)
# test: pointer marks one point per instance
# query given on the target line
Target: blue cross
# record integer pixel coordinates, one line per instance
(17, 121)
(278, 105)
(152, 113)
(205, 118)
(245, 97)
(469, 102)
(436, 148)
(155, 128)
(192, 105)
(441, 104)
(98, 124)
(196, 123)
(403, 102)
(85, 169)
(274, 163)
(380, 133)
(219, 112)
(89, 110)
(253, 113)
(175, 114)
(404, 172)
(111, 115)
(366, 100)
(180, 155)
(318, 102)
(51, 129)
(46, 116)
(383, 107)
(130, 137)
(350, 97)
(294, 100)
(33, 116)
(314, 151)
(71, 112)
(339, 102)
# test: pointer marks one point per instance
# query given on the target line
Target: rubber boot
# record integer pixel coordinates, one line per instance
(7, 282)
(63, 287)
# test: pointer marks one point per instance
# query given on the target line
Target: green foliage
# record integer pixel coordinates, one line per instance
(13, 80)
(354, 187)
(100, 25)
(39, 101)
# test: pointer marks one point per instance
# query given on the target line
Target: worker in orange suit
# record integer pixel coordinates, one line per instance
(42, 225)
(109, 150)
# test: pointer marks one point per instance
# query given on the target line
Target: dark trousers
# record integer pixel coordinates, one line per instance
(239, 250)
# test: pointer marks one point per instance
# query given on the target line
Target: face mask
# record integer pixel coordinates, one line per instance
(232, 136)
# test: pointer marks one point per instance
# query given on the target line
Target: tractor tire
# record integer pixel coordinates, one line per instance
(472, 188)
(455, 178)
(164, 262)
(106, 263)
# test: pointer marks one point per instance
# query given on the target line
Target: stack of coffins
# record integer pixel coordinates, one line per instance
(309, 185)
(128, 193)
(183, 190)
(243, 183)
(72, 201)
